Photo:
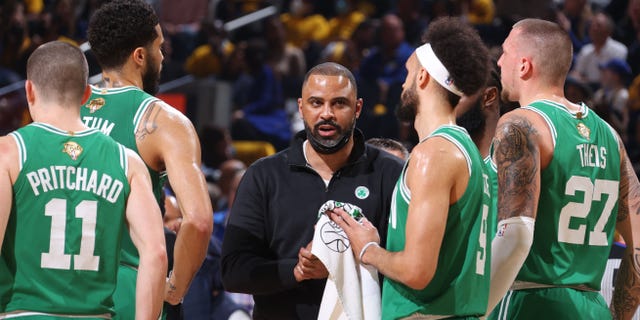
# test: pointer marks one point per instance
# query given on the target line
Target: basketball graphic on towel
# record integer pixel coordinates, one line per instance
(334, 237)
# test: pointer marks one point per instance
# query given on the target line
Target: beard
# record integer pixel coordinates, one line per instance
(473, 120)
(151, 77)
(326, 145)
(408, 104)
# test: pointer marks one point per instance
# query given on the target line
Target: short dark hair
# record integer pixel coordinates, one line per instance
(332, 69)
(59, 71)
(119, 27)
(460, 49)
(549, 44)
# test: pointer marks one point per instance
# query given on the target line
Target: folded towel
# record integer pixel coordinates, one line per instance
(352, 290)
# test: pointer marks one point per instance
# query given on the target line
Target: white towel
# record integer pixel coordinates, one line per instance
(352, 290)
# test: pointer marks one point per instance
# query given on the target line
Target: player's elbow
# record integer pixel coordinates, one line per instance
(200, 224)
(417, 278)
(156, 255)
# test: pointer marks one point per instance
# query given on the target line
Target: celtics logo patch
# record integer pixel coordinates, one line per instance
(362, 192)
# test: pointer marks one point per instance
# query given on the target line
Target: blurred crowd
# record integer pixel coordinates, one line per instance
(265, 62)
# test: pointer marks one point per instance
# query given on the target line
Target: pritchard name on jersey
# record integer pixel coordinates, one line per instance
(78, 179)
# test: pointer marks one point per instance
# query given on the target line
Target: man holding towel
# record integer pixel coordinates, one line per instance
(437, 260)
(266, 250)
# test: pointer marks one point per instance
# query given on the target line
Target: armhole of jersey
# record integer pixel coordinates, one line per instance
(124, 160)
(404, 190)
(22, 149)
(613, 133)
(459, 146)
(552, 128)
(141, 111)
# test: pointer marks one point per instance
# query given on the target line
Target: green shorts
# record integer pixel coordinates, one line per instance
(551, 303)
(124, 298)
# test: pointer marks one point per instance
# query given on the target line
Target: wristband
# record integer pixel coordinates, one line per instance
(366, 246)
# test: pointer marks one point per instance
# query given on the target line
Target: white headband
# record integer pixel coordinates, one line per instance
(436, 69)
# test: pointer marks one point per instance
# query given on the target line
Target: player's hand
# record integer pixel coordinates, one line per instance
(309, 266)
(170, 295)
(359, 233)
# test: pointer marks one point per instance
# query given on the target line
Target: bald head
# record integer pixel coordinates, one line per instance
(548, 46)
(59, 72)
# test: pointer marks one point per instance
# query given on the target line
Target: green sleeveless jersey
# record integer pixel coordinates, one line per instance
(62, 242)
(578, 203)
(117, 112)
(492, 172)
(460, 285)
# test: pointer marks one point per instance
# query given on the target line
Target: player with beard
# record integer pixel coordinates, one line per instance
(266, 251)
(436, 264)
(126, 38)
(479, 115)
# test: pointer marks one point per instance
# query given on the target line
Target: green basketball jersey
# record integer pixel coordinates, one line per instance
(62, 242)
(492, 220)
(460, 285)
(578, 203)
(117, 112)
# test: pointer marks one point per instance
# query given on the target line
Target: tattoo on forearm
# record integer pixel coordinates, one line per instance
(625, 296)
(629, 199)
(148, 124)
(516, 155)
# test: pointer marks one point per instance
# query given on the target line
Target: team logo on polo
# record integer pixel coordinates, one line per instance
(334, 237)
(95, 104)
(584, 131)
(362, 192)
(72, 149)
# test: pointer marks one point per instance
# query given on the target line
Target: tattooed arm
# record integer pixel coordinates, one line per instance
(517, 156)
(626, 295)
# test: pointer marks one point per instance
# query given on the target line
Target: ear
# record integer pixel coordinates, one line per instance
(359, 104)
(138, 56)
(422, 79)
(300, 106)
(30, 91)
(525, 68)
(489, 97)
(86, 95)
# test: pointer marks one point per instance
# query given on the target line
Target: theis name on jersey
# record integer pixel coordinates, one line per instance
(592, 155)
(104, 125)
(78, 179)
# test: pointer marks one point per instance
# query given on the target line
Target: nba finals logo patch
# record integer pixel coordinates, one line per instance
(584, 131)
(334, 237)
(72, 149)
(95, 104)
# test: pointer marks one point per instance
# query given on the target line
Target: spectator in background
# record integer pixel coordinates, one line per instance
(215, 143)
(305, 29)
(413, 20)
(610, 101)
(259, 101)
(601, 49)
(574, 18)
(392, 146)
(287, 61)
(347, 19)
(628, 28)
(577, 91)
(210, 58)
(382, 74)
(634, 123)
(181, 22)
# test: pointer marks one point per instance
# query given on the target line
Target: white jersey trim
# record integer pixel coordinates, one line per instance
(22, 149)
(554, 133)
